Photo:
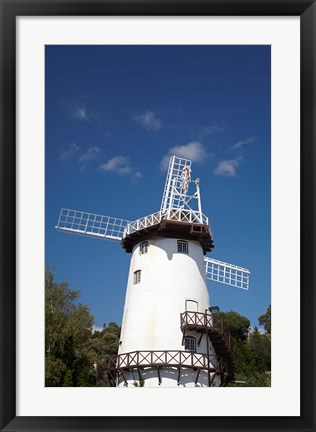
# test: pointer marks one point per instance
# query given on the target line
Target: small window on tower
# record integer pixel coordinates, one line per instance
(143, 248)
(183, 246)
(137, 274)
(189, 343)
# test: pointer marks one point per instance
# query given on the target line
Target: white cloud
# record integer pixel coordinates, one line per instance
(69, 153)
(194, 151)
(148, 121)
(227, 168)
(120, 165)
(209, 130)
(75, 109)
(80, 113)
(91, 154)
(241, 143)
(73, 152)
(137, 175)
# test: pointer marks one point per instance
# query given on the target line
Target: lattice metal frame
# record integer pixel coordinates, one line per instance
(227, 274)
(174, 207)
(91, 225)
(172, 195)
(179, 215)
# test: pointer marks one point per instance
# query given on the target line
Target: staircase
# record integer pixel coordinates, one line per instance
(212, 325)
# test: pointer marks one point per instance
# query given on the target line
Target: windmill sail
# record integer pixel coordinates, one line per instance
(227, 274)
(177, 206)
(176, 186)
(91, 225)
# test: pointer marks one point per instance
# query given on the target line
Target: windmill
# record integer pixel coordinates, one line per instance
(170, 336)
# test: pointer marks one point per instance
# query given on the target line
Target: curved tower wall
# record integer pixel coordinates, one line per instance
(151, 319)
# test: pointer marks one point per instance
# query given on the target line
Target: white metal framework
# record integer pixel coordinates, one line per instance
(176, 192)
(227, 274)
(91, 225)
(94, 225)
(175, 206)
(174, 195)
(179, 215)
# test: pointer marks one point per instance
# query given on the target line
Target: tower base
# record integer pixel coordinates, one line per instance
(163, 377)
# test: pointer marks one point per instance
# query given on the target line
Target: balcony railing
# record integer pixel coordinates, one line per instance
(144, 359)
(204, 322)
(177, 215)
(140, 360)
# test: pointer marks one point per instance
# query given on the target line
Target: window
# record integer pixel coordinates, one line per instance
(143, 248)
(191, 305)
(189, 343)
(137, 276)
(183, 246)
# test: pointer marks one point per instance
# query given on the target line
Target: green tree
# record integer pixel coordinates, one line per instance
(55, 370)
(252, 351)
(265, 320)
(260, 344)
(237, 325)
(68, 328)
(68, 381)
(104, 346)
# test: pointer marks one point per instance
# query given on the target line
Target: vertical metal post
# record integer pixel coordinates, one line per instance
(197, 183)
(171, 198)
(168, 185)
(208, 350)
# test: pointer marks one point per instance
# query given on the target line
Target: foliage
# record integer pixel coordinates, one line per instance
(75, 356)
(252, 350)
(265, 320)
(260, 344)
(55, 370)
(68, 328)
(68, 382)
(103, 345)
(140, 383)
(236, 324)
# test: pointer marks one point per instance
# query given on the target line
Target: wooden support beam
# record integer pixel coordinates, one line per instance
(159, 377)
(179, 372)
(197, 376)
(139, 374)
(126, 383)
(111, 379)
(212, 380)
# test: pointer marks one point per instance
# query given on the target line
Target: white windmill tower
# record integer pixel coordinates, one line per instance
(170, 335)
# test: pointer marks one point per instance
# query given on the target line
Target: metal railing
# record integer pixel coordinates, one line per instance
(178, 215)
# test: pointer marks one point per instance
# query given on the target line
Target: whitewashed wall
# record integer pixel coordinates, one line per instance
(151, 319)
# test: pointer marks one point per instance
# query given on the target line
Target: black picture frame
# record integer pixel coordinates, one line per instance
(10, 9)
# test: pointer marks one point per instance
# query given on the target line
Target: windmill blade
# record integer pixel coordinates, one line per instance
(91, 225)
(174, 194)
(225, 273)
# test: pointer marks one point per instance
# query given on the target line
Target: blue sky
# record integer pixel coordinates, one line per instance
(113, 115)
